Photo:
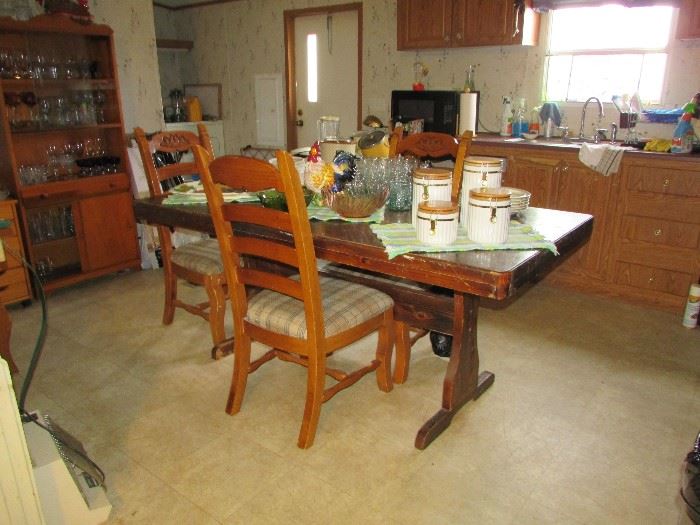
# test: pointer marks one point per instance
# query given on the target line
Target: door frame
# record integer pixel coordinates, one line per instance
(290, 63)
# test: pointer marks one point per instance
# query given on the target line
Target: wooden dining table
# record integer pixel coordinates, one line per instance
(435, 291)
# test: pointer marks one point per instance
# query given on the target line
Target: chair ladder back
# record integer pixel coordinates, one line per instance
(271, 281)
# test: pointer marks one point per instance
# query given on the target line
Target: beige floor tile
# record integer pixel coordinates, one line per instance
(594, 407)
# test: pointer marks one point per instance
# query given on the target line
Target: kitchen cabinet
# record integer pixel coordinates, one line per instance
(465, 23)
(688, 20)
(63, 138)
(14, 282)
(645, 245)
(657, 234)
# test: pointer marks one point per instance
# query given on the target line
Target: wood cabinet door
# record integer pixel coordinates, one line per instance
(534, 174)
(583, 190)
(106, 229)
(689, 20)
(483, 22)
(423, 23)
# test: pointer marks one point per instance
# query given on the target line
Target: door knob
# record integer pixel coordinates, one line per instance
(299, 122)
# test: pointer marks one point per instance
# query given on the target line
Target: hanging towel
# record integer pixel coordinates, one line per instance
(603, 158)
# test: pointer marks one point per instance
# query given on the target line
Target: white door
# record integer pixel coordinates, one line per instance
(331, 41)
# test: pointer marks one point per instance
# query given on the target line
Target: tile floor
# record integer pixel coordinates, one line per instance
(594, 407)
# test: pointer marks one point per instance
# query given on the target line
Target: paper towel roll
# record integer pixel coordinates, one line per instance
(468, 110)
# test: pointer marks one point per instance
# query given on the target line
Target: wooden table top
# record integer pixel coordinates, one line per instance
(494, 274)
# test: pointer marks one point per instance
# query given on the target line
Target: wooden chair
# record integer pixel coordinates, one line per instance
(304, 317)
(198, 262)
(432, 146)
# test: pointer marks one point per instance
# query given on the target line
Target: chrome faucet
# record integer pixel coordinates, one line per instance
(583, 115)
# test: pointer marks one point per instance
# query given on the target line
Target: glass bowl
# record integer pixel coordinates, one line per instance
(276, 199)
(355, 203)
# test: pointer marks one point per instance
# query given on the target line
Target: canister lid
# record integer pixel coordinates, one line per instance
(483, 161)
(437, 207)
(489, 194)
(432, 173)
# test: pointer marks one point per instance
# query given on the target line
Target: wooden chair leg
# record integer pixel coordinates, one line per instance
(385, 347)
(170, 294)
(316, 382)
(403, 352)
(217, 308)
(241, 367)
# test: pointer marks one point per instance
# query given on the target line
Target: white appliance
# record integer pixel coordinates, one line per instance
(214, 127)
(37, 485)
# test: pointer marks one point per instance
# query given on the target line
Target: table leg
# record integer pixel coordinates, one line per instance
(462, 380)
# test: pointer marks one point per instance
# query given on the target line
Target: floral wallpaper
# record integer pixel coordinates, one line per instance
(135, 49)
(234, 41)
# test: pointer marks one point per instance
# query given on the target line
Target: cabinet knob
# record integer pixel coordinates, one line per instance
(459, 36)
(657, 232)
(447, 38)
(564, 166)
(652, 279)
(667, 183)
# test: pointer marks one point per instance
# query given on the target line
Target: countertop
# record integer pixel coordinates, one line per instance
(491, 139)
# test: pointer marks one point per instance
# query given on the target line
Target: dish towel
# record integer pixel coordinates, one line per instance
(603, 158)
(399, 239)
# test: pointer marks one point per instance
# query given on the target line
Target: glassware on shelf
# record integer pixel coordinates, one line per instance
(29, 99)
(100, 99)
(12, 101)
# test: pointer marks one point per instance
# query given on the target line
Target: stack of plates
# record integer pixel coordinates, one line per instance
(519, 199)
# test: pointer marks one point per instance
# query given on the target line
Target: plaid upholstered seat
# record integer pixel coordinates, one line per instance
(201, 257)
(345, 305)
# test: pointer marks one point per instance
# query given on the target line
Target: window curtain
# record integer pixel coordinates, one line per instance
(546, 5)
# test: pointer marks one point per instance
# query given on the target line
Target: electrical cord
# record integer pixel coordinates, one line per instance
(97, 475)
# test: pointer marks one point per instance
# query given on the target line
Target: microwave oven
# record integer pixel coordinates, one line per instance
(439, 110)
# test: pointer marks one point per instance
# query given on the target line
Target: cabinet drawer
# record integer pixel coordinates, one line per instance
(665, 181)
(13, 286)
(666, 207)
(660, 231)
(12, 244)
(648, 278)
(665, 257)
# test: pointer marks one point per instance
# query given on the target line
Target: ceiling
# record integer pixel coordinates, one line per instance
(184, 4)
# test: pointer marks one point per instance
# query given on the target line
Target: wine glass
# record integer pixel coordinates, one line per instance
(100, 98)
(12, 101)
(29, 100)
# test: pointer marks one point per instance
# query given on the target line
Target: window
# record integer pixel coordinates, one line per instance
(312, 67)
(606, 51)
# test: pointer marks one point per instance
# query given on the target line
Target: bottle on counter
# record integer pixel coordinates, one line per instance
(520, 119)
(507, 118)
(534, 125)
(469, 82)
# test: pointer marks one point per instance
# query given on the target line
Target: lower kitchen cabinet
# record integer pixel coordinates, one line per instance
(645, 245)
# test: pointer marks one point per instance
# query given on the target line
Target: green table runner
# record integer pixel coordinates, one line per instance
(401, 238)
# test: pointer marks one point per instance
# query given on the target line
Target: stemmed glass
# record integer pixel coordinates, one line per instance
(100, 98)
(29, 99)
(12, 101)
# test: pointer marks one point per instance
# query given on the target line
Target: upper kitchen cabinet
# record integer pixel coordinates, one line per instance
(465, 23)
(689, 20)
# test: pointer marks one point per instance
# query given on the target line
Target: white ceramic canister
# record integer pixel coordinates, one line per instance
(488, 215)
(479, 172)
(430, 184)
(437, 222)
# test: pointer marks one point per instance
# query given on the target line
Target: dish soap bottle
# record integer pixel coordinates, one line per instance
(520, 125)
(507, 118)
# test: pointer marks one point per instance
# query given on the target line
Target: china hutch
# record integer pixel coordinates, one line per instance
(63, 148)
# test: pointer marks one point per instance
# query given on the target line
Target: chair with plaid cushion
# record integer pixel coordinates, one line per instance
(198, 262)
(427, 145)
(303, 317)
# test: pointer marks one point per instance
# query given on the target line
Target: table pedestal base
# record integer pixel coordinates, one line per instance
(462, 381)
